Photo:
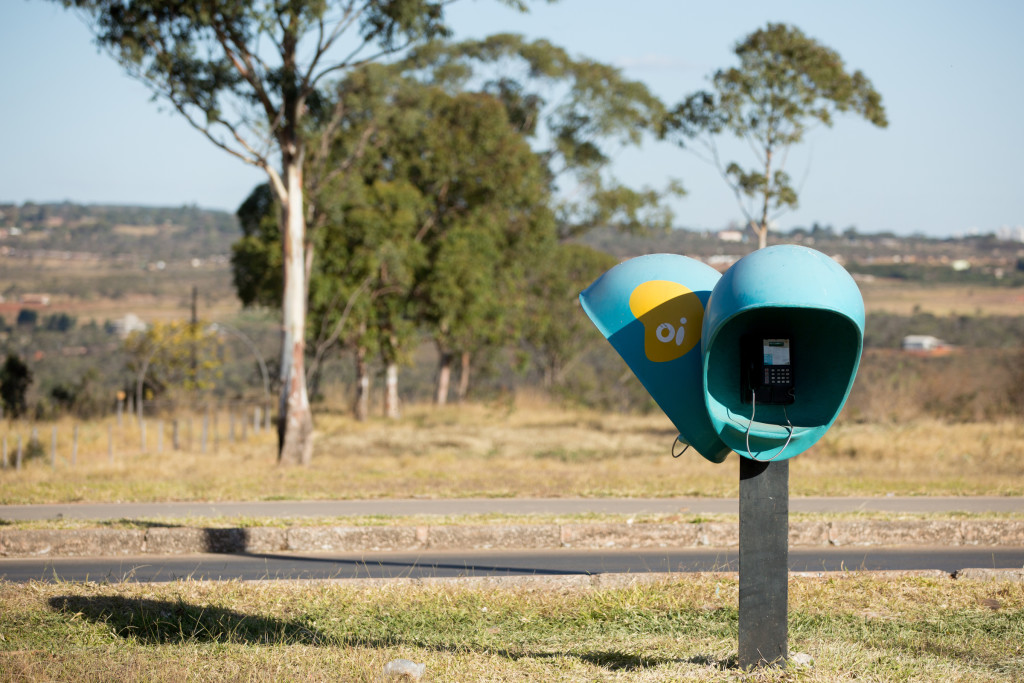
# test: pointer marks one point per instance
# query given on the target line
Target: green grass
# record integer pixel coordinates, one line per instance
(854, 626)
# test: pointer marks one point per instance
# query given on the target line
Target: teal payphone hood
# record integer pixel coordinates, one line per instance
(805, 296)
(652, 309)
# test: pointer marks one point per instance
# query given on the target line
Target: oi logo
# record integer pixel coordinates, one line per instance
(672, 316)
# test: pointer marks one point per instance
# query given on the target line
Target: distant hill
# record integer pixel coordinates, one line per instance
(977, 259)
(117, 231)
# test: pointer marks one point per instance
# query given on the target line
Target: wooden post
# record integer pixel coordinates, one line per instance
(159, 436)
(17, 459)
(206, 430)
(764, 563)
(142, 434)
(175, 438)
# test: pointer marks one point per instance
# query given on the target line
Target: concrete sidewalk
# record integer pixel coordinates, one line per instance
(178, 536)
(505, 506)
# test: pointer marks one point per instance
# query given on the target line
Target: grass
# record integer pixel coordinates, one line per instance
(854, 626)
(895, 296)
(229, 522)
(530, 451)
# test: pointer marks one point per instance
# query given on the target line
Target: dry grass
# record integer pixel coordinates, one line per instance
(531, 449)
(679, 629)
(894, 296)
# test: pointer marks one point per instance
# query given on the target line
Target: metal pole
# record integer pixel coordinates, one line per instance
(764, 563)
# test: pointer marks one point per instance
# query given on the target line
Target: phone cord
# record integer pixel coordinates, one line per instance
(676, 455)
(753, 411)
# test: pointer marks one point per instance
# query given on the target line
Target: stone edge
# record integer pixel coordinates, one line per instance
(254, 540)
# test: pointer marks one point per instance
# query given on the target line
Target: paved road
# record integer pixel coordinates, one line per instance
(510, 506)
(487, 563)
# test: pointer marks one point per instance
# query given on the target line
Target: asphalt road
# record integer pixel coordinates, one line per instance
(486, 563)
(510, 506)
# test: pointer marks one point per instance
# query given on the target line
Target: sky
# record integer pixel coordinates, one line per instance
(74, 127)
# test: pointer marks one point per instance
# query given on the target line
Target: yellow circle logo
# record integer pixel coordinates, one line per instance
(672, 316)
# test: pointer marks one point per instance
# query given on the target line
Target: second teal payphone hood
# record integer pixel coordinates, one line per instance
(805, 296)
(651, 308)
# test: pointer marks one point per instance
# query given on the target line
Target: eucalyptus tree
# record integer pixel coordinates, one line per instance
(575, 111)
(244, 74)
(430, 230)
(785, 83)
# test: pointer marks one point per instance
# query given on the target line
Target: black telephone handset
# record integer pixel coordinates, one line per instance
(766, 375)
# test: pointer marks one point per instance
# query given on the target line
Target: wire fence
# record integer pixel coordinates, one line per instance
(70, 443)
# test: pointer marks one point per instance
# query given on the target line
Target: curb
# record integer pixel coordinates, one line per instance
(169, 540)
(614, 581)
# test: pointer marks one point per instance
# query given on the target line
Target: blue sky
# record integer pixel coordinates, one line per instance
(74, 127)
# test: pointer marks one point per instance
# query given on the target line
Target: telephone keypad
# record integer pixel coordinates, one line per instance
(779, 374)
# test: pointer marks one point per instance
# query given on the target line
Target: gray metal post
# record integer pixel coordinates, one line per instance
(764, 563)
(17, 458)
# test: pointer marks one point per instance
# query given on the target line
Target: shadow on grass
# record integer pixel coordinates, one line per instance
(157, 622)
(166, 622)
(609, 660)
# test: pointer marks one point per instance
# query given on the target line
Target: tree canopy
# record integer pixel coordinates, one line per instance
(246, 73)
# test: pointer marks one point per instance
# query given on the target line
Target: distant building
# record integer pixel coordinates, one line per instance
(925, 344)
(35, 299)
(730, 235)
(129, 323)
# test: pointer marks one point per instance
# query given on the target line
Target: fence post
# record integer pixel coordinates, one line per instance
(206, 430)
(256, 420)
(74, 446)
(175, 441)
(159, 436)
(53, 448)
(142, 434)
(17, 460)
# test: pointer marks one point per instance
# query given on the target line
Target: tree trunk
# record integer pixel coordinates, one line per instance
(444, 377)
(295, 421)
(463, 389)
(391, 408)
(362, 404)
